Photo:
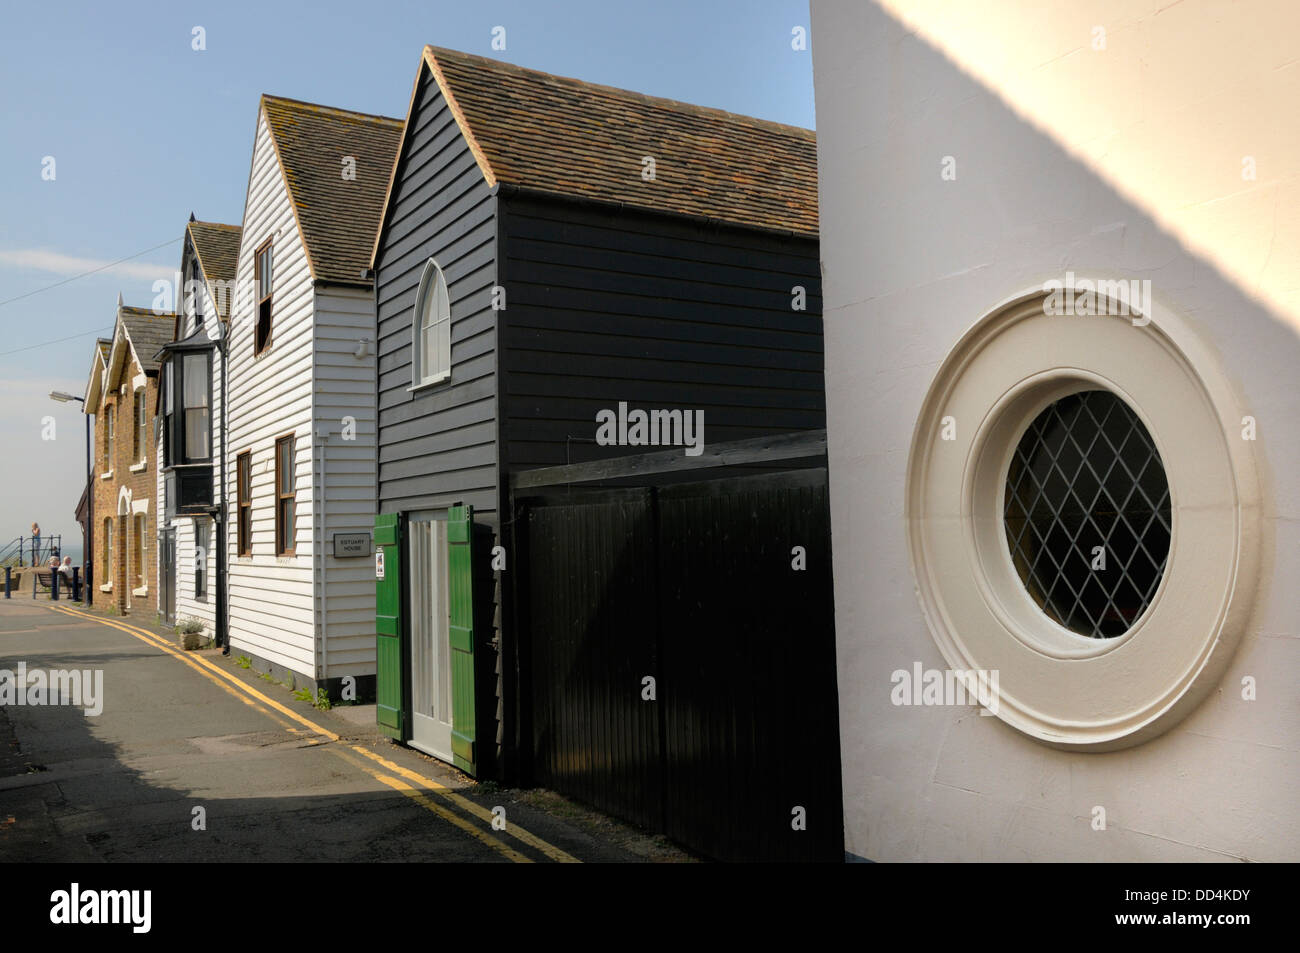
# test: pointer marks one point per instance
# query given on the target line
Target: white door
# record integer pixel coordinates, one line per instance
(430, 661)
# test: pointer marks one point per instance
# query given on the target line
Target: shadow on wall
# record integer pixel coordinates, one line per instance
(911, 261)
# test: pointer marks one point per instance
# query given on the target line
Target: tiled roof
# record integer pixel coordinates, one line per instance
(148, 331)
(105, 345)
(338, 216)
(561, 135)
(218, 249)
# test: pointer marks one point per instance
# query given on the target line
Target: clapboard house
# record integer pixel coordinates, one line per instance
(191, 532)
(566, 274)
(299, 440)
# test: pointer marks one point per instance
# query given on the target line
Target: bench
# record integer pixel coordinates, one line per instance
(43, 581)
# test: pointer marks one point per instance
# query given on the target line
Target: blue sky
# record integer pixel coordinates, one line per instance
(143, 129)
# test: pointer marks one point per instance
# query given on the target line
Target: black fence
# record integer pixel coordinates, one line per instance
(721, 592)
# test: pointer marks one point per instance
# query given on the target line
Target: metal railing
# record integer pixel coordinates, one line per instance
(30, 550)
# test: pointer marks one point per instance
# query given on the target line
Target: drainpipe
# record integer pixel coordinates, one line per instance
(221, 511)
(322, 440)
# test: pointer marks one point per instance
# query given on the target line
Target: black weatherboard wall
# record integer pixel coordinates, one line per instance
(661, 311)
(677, 294)
(610, 305)
(438, 445)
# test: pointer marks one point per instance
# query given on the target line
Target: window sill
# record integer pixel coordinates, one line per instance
(137, 467)
(142, 591)
(107, 587)
(441, 378)
(106, 476)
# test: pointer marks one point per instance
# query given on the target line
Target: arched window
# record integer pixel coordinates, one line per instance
(431, 329)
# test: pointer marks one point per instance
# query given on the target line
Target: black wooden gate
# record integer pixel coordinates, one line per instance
(721, 592)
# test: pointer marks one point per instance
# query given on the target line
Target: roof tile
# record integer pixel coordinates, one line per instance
(148, 331)
(217, 246)
(338, 215)
(561, 135)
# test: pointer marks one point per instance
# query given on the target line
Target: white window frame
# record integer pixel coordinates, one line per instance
(108, 554)
(139, 426)
(138, 560)
(431, 281)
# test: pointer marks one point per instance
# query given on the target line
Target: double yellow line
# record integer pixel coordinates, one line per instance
(408, 782)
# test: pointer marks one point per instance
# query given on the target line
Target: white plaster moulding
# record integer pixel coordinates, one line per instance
(1061, 688)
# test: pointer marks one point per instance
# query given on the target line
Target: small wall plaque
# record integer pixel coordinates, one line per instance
(349, 545)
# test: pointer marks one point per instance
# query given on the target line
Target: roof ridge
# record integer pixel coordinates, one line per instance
(215, 224)
(662, 102)
(321, 107)
(152, 312)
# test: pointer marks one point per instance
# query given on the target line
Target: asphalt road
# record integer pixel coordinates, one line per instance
(276, 779)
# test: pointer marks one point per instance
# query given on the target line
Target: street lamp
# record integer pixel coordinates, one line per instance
(87, 531)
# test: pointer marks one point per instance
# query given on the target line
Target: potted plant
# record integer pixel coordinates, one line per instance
(191, 633)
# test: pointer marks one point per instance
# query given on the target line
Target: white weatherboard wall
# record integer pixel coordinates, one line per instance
(187, 606)
(271, 597)
(309, 612)
(1123, 162)
(344, 389)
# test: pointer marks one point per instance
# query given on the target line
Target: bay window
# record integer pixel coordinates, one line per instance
(187, 408)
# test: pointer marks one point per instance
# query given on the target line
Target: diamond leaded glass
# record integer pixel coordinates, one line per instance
(1087, 514)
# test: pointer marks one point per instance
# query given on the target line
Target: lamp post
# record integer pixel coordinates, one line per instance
(87, 531)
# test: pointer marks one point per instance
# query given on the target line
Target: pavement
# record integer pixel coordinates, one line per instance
(194, 759)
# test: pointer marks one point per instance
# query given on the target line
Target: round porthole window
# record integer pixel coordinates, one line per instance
(1083, 520)
(1087, 514)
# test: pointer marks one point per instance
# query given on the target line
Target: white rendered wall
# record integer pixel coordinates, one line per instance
(1125, 162)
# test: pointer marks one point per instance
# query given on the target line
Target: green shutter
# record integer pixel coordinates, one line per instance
(389, 701)
(460, 571)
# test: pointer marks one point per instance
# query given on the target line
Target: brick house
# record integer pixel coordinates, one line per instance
(121, 393)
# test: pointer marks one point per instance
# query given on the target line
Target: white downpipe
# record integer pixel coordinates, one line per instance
(322, 436)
